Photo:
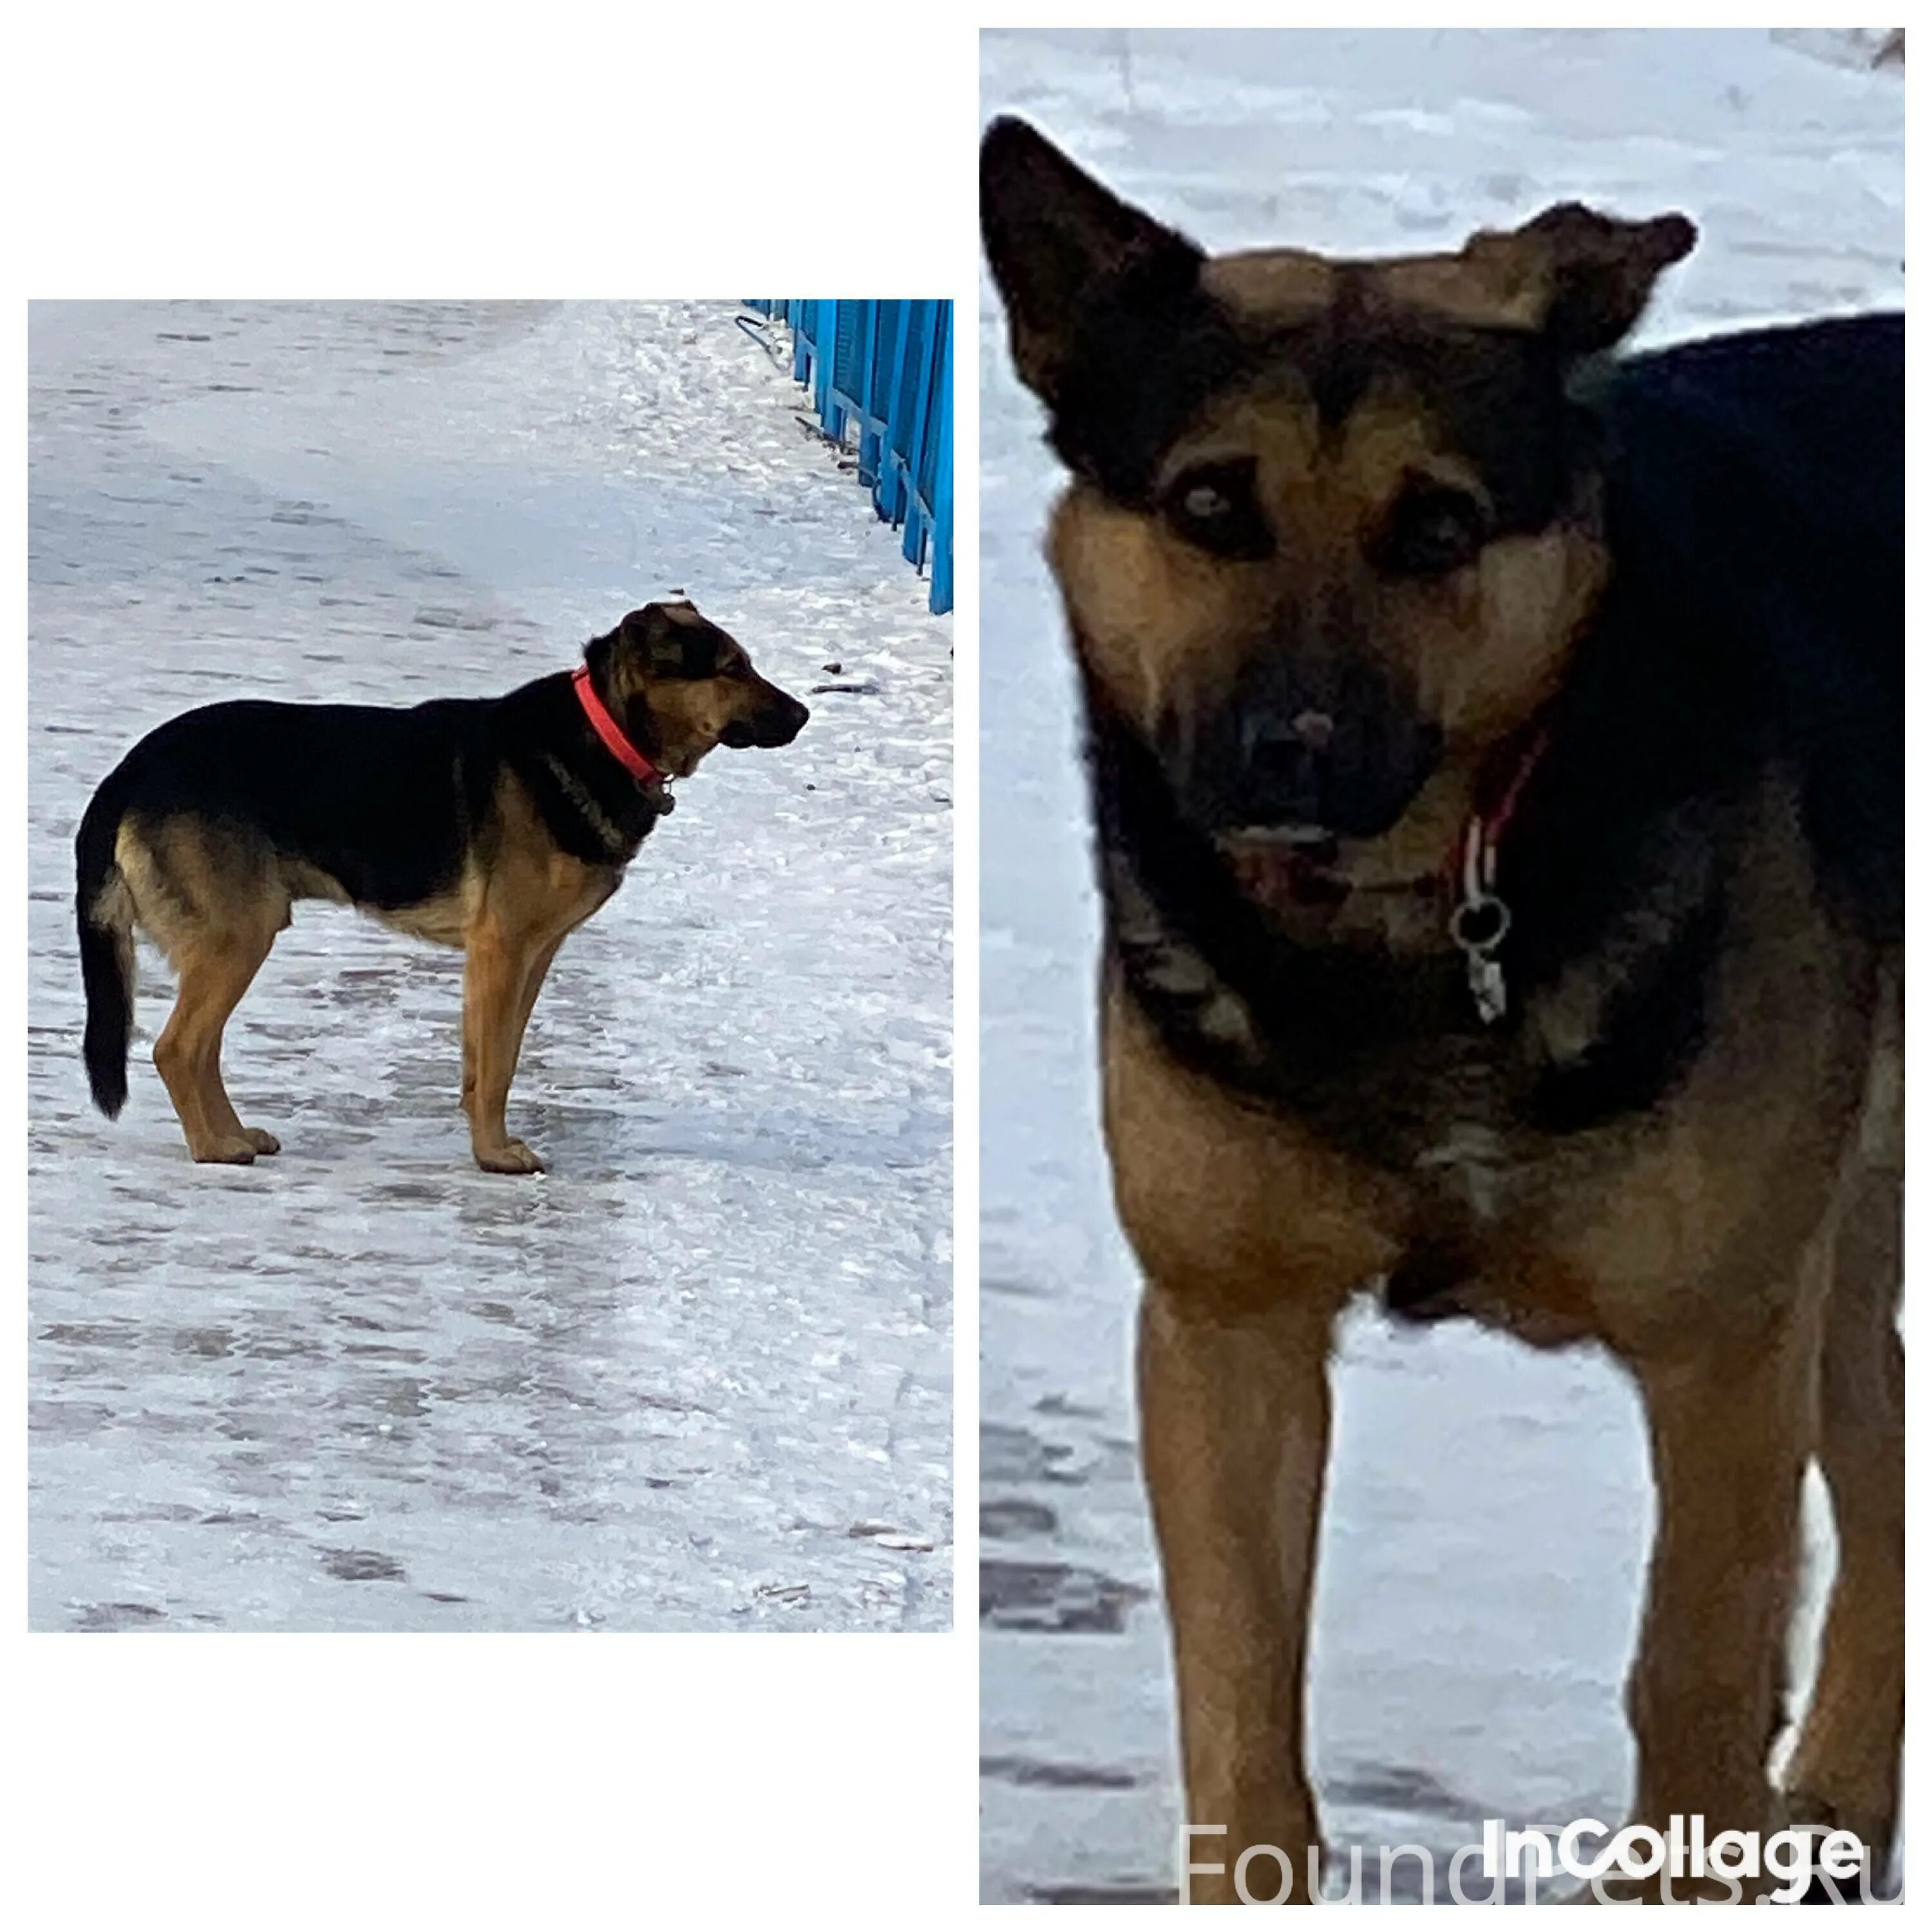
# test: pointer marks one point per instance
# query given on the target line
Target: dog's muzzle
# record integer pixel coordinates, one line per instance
(777, 722)
(1314, 773)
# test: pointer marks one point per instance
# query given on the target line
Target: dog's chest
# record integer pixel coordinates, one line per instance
(1445, 1119)
(1468, 1162)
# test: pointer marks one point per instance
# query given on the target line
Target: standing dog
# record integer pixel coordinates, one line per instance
(496, 824)
(1497, 767)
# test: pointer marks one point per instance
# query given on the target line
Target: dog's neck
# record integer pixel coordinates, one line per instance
(611, 734)
(1312, 1015)
(1216, 970)
(596, 811)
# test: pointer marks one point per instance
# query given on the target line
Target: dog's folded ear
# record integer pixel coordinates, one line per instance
(647, 636)
(1060, 244)
(671, 640)
(1580, 278)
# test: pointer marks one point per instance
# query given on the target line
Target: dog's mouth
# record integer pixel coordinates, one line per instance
(1302, 871)
(1398, 877)
(1287, 865)
(1310, 804)
(777, 724)
(1306, 801)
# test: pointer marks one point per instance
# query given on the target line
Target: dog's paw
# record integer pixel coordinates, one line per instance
(261, 1140)
(512, 1157)
(231, 1150)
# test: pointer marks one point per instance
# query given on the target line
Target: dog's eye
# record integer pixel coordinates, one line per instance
(1431, 532)
(1214, 507)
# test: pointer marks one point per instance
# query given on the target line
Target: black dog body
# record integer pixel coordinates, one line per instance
(377, 806)
(492, 824)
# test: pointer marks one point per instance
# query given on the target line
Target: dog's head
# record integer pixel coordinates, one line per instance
(1332, 531)
(680, 686)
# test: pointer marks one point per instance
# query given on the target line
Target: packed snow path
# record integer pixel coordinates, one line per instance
(697, 1377)
(1482, 1557)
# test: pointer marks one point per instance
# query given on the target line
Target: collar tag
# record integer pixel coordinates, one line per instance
(1481, 923)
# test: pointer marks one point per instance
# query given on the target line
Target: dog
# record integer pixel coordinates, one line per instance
(1496, 758)
(495, 824)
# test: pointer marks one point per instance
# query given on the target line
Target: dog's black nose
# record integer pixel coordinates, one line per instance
(1351, 773)
(782, 722)
(1290, 768)
(1315, 729)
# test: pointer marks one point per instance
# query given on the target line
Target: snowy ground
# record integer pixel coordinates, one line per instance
(699, 1376)
(1479, 1583)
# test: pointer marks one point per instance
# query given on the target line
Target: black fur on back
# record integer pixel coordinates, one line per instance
(386, 800)
(1758, 524)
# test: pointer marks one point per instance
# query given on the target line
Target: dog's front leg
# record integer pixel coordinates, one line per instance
(497, 964)
(1730, 1432)
(1846, 1774)
(1234, 1436)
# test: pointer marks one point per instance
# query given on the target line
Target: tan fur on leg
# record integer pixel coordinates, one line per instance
(494, 970)
(1729, 1425)
(1846, 1772)
(215, 975)
(1235, 1423)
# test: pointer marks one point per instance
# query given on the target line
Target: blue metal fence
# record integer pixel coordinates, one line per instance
(884, 370)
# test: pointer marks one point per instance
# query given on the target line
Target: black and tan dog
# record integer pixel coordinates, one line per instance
(496, 824)
(1496, 759)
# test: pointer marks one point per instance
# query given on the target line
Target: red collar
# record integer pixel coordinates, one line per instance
(1499, 791)
(607, 728)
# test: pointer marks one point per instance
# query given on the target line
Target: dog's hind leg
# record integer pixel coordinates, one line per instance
(1730, 1425)
(1846, 1772)
(1234, 1419)
(216, 968)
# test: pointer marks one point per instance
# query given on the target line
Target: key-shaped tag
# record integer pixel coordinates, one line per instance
(1479, 926)
(1488, 988)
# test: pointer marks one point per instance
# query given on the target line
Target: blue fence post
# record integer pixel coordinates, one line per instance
(904, 432)
(941, 598)
(913, 548)
(869, 434)
(890, 498)
(827, 320)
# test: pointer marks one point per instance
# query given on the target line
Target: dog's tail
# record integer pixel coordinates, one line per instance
(104, 912)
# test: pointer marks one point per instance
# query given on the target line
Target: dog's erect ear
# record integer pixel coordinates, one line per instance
(1057, 242)
(671, 640)
(1581, 278)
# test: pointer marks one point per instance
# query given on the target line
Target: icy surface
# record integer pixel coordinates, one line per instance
(697, 1377)
(1480, 1566)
